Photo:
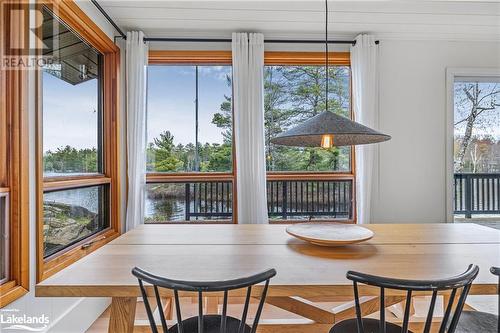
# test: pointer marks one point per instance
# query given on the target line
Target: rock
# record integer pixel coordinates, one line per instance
(64, 224)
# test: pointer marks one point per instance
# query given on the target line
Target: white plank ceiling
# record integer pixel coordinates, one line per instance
(446, 20)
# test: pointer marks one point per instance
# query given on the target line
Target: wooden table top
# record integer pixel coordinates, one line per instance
(274, 234)
(203, 252)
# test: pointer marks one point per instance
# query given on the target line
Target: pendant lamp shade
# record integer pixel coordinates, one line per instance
(328, 129)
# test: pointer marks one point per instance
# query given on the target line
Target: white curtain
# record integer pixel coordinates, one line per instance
(136, 62)
(248, 103)
(364, 64)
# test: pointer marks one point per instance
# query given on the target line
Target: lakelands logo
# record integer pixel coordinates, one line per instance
(13, 320)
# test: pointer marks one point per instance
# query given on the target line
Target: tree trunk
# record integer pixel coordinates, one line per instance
(466, 140)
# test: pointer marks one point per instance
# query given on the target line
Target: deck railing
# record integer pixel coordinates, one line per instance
(308, 199)
(476, 193)
(287, 199)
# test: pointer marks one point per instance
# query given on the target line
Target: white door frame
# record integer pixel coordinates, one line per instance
(451, 74)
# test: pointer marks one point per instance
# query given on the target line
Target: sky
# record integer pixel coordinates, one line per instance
(488, 123)
(69, 113)
(171, 101)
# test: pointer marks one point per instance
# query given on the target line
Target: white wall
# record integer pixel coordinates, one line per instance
(66, 315)
(410, 185)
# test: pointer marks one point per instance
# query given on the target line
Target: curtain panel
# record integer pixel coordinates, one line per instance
(248, 104)
(135, 71)
(365, 88)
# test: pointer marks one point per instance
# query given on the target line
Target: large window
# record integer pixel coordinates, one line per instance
(476, 148)
(14, 201)
(190, 141)
(190, 152)
(78, 198)
(307, 183)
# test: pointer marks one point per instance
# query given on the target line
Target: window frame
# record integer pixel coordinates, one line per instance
(4, 196)
(14, 164)
(279, 58)
(69, 13)
(276, 58)
(452, 74)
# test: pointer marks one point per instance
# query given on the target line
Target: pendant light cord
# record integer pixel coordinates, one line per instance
(326, 56)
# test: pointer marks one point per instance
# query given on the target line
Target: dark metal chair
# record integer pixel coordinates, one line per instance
(367, 325)
(204, 323)
(476, 321)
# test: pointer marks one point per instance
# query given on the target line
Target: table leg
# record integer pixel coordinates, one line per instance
(122, 316)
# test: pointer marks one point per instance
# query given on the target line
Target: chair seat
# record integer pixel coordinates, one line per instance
(475, 321)
(370, 326)
(211, 324)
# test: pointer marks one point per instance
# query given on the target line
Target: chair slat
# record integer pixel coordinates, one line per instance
(447, 312)
(359, 319)
(382, 311)
(406, 316)
(245, 310)
(160, 310)
(152, 322)
(180, 326)
(430, 314)
(223, 318)
(200, 312)
(261, 306)
(459, 308)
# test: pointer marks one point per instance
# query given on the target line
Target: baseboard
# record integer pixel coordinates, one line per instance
(79, 317)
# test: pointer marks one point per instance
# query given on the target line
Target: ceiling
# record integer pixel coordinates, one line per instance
(447, 20)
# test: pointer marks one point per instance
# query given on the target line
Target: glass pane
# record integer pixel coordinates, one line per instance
(182, 137)
(476, 149)
(4, 234)
(72, 215)
(71, 103)
(294, 94)
(171, 202)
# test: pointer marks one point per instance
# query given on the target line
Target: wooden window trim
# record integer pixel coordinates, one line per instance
(164, 57)
(74, 17)
(14, 172)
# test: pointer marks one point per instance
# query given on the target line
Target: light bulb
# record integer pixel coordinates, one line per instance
(327, 141)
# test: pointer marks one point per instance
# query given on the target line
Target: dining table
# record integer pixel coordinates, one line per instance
(305, 272)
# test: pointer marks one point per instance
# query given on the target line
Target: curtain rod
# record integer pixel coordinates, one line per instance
(216, 40)
(228, 40)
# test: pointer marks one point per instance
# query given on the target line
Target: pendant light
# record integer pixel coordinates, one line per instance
(328, 129)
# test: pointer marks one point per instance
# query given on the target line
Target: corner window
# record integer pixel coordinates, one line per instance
(78, 204)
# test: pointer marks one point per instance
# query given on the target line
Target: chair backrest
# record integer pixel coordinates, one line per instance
(496, 271)
(200, 288)
(462, 281)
